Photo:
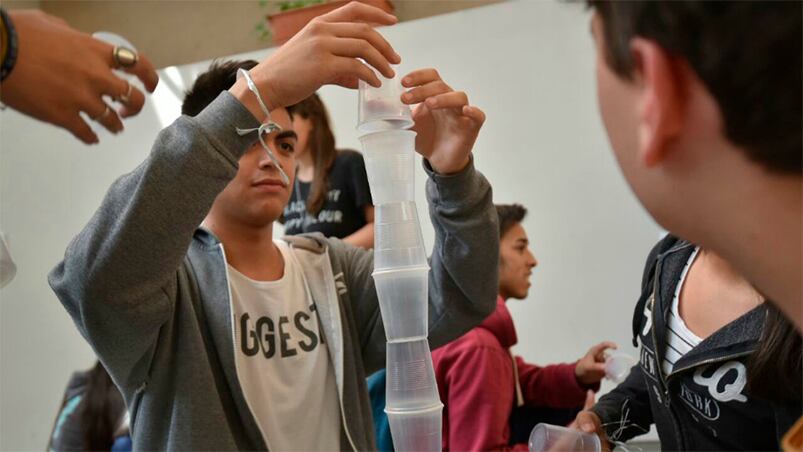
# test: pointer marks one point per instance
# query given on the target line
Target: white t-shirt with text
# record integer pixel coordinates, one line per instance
(282, 361)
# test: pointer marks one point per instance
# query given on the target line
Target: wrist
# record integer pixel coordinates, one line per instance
(449, 168)
(9, 45)
(249, 100)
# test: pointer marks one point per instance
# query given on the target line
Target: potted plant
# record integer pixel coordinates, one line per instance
(294, 15)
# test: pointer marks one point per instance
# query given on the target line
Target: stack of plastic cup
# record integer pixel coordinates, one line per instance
(552, 438)
(401, 273)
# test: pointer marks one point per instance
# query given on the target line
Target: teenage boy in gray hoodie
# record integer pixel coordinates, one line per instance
(221, 338)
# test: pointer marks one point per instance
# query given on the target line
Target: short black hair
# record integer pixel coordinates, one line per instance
(747, 53)
(220, 76)
(509, 215)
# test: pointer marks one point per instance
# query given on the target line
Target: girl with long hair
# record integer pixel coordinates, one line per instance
(331, 193)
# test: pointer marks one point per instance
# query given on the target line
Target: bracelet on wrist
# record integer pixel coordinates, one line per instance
(9, 45)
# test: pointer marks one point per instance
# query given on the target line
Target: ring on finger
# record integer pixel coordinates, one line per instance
(103, 115)
(125, 98)
(124, 56)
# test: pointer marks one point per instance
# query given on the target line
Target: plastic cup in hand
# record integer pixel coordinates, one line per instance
(418, 431)
(618, 365)
(403, 304)
(552, 438)
(381, 108)
(390, 165)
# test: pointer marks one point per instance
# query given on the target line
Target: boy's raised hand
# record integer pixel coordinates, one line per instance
(446, 124)
(325, 51)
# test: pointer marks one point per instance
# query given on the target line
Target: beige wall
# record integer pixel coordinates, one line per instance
(170, 32)
(173, 32)
(15, 4)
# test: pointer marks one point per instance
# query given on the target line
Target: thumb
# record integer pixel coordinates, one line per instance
(585, 422)
(598, 367)
(590, 399)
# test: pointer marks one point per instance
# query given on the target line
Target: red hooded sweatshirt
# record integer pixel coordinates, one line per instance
(478, 384)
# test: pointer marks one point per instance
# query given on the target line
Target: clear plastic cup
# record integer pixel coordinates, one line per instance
(403, 303)
(418, 431)
(553, 438)
(618, 365)
(411, 382)
(381, 108)
(390, 164)
(398, 241)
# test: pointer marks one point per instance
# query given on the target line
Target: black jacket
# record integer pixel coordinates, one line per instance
(703, 404)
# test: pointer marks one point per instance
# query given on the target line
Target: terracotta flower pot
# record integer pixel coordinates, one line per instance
(285, 25)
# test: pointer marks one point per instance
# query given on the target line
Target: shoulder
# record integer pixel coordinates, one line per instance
(349, 157)
(313, 242)
(474, 341)
(662, 246)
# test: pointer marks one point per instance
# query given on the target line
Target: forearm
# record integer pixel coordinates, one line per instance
(363, 237)
(463, 277)
(553, 386)
(137, 238)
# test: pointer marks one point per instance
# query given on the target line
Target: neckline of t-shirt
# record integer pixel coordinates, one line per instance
(289, 263)
(676, 299)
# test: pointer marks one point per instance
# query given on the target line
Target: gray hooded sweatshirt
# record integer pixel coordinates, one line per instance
(149, 290)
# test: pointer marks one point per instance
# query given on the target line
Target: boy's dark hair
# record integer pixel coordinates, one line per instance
(747, 53)
(509, 214)
(220, 76)
(775, 369)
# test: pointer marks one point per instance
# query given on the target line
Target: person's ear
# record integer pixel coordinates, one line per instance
(661, 104)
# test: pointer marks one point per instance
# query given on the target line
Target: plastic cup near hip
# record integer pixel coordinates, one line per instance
(398, 241)
(418, 431)
(403, 303)
(618, 365)
(390, 165)
(553, 438)
(381, 108)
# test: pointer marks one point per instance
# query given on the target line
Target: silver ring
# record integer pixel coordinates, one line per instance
(125, 57)
(105, 113)
(125, 98)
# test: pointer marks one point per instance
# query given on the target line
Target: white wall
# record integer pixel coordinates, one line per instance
(528, 64)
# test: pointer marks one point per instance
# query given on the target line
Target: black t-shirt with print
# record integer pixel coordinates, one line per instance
(343, 210)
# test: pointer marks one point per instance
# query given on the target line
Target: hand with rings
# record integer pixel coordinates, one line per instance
(63, 72)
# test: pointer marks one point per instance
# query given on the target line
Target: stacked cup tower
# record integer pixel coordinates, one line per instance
(401, 270)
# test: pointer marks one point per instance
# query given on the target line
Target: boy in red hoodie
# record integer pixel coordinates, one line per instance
(481, 381)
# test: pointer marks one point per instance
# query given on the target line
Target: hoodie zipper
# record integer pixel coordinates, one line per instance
(661, 378)
(317, 314)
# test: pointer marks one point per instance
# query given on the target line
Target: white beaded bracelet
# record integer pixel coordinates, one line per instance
(267, 127)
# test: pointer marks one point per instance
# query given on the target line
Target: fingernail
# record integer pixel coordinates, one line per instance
(587, 427)
(432, 102)
(407, 80)
(407, 96)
